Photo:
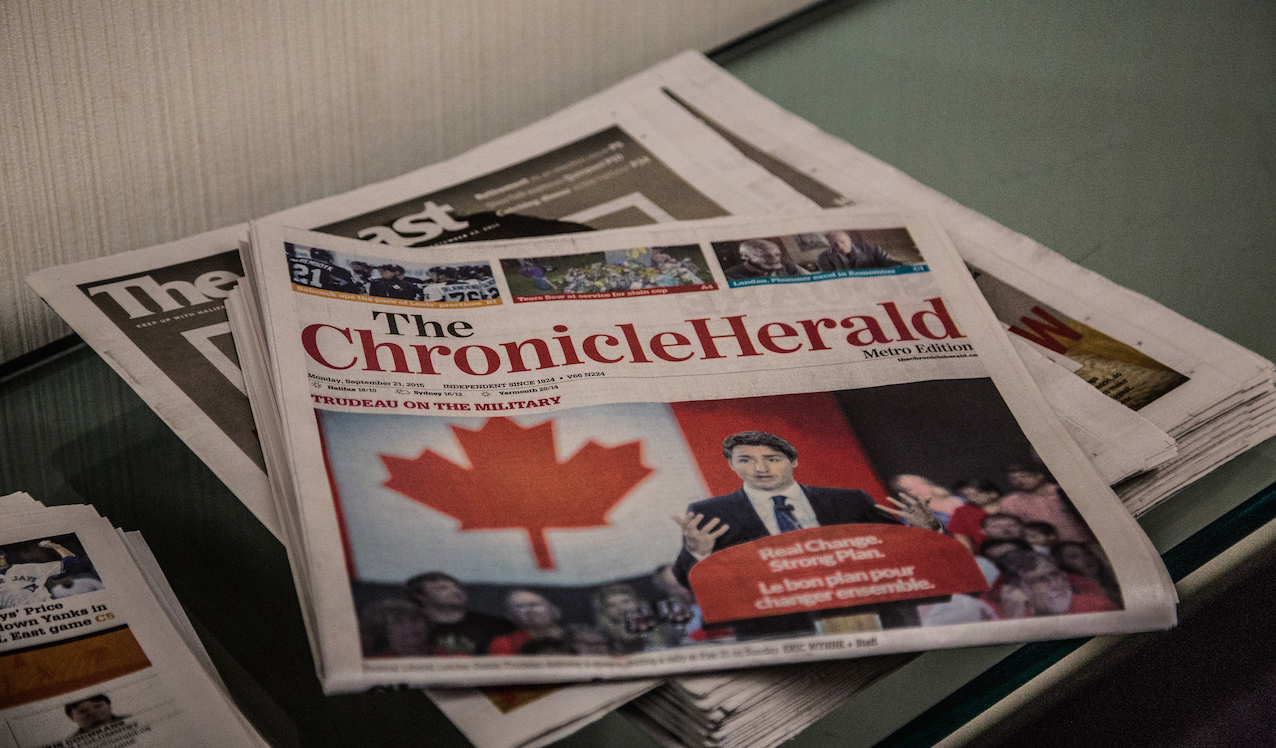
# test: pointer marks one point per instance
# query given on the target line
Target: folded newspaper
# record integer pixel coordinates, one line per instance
(95, 651)
(769, 444)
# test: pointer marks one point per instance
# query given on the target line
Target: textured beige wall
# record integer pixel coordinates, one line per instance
(131, 123)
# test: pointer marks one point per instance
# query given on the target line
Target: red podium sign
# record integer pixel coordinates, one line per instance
(838, 566)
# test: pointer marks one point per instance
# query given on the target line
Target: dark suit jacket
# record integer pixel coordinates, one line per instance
(833, 506)
(861, 257)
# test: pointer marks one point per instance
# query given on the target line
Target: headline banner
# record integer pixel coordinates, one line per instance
(837, 566)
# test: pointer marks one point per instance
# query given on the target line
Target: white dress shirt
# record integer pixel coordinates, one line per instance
(765, 507)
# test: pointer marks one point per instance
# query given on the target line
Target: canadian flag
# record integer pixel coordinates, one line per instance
(580, 496)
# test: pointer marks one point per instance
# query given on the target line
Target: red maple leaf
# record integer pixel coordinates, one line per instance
(517, 482)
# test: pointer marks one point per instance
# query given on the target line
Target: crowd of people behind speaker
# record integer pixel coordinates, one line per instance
(1036, 553)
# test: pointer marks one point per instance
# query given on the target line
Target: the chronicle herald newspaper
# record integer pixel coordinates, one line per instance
(667, 449)
(94, 650)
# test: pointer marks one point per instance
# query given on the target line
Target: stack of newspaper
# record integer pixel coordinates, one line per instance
(94, 648)
(710, 470)
(375, 369)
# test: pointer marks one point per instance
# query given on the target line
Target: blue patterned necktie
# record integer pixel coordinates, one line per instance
(784, 518)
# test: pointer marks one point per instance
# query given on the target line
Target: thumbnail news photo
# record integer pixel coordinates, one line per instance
(801, 258)
(39, 570)
(574, 532)
(424, 284)
(640, 271)
(121, 704)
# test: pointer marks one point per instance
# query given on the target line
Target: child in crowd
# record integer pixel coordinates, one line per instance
(982, 499)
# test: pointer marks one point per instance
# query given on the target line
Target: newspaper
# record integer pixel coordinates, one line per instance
(550, 449)
(94, 651)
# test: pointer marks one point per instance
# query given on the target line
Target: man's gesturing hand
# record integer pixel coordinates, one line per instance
(913, 511)
(696, 539)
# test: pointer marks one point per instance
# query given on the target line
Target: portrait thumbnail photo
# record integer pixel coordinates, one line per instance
(333, 274)
(584, 531)
(132, 708)
(800, 258)
(640, 271)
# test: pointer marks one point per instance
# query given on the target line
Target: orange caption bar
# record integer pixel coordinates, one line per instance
(34, 674)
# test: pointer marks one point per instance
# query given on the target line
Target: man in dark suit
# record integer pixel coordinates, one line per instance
(844, 253)
(771, 502)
